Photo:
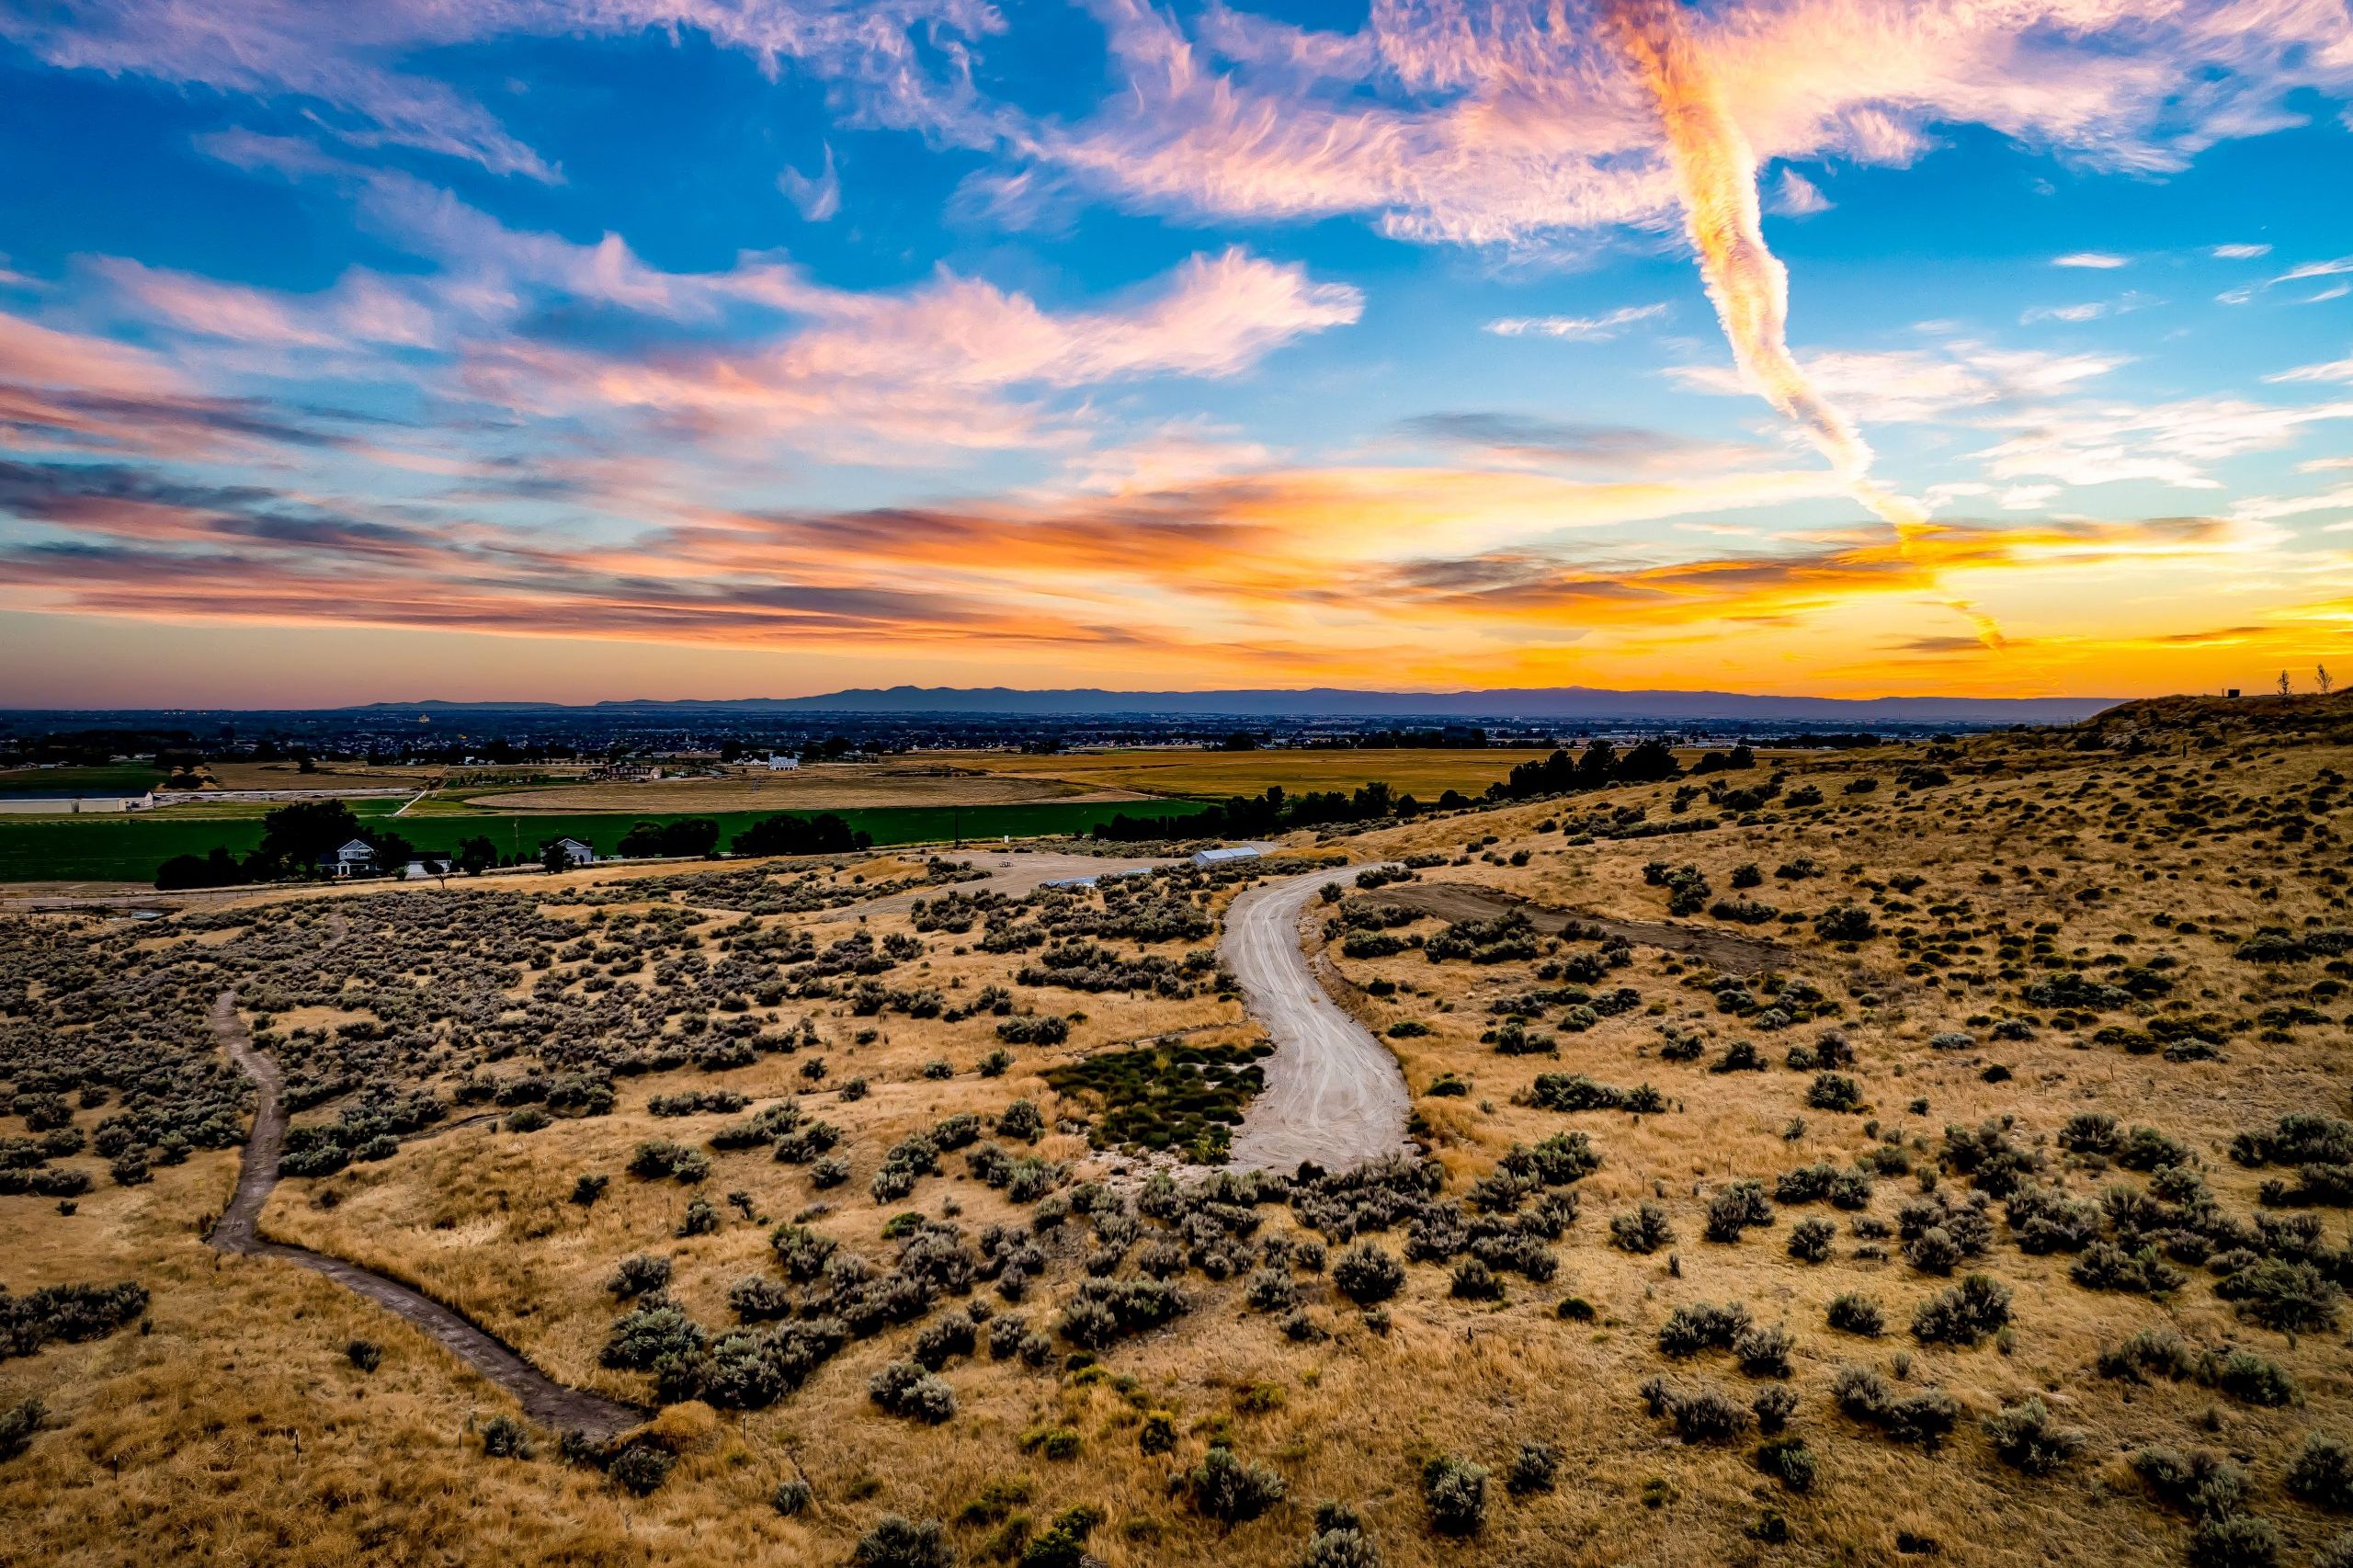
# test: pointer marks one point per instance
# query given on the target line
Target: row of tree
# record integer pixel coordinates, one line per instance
(300, 840)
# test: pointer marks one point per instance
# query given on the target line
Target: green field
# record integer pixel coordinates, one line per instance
(104, 779)
(128, 848)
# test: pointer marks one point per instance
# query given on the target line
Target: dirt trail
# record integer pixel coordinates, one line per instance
(1467, 901)
(544, 1400)
(1333, 1093)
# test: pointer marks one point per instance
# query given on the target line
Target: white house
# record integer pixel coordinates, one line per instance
(579, 854)
(1225, 856)
(356, 858)
(430, 865)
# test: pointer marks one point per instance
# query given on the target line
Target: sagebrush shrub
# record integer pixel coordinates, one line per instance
(2025, 1437)
(1454, 1491)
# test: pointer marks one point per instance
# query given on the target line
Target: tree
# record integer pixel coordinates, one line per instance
(554, 857)
(2286, 687)
(294, 838)
(217, 870)
(2321, 679)
(476, 856)
(823, 833)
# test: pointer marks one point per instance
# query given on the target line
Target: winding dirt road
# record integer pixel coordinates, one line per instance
(1333, 1093)
(551, 1404)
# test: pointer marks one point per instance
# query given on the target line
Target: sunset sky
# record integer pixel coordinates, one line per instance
(595, 348)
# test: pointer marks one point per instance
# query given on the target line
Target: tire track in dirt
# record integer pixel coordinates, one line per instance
(551, 1404)
(1334, 1094)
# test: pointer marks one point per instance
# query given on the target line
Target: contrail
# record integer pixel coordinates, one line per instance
(1716, 170)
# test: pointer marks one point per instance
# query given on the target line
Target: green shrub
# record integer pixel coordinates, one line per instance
(1222, 1488)
(2294, 1297)
(1454, 1492)
(1367, 1273)
(790, 1497)
(2322, 1473)
(899, 1542)
(2200, 1482)
(1533, 1469)
(1853, 1313)
(2025, 1438)
(2255, 1379)
(1789, 1461)
(18, 1425)
(2237, 1540)
(1643, 1231)
(504, 1437)
(1964, 1313)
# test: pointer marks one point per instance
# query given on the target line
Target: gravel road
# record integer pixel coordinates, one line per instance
(1333, 1093)
(551, 1404)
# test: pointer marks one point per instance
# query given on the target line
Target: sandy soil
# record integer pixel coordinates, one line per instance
(1333, 1093)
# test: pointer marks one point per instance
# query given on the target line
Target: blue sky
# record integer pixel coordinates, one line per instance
(677, 348)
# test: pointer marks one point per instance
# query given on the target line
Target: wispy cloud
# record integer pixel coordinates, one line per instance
(2239, 252)
(1582, 329)
(2101, 261)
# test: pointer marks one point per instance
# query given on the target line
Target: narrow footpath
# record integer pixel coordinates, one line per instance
(553, 1404)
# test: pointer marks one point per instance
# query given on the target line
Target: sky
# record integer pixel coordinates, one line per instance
(577, 349)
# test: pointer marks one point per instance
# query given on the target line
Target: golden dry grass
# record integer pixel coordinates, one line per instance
(236, 1431)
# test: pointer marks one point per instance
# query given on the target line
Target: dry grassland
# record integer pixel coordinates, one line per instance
(232, 1425)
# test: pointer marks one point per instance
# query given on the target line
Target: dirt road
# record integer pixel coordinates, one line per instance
(1333, 1093)
(544, 1400)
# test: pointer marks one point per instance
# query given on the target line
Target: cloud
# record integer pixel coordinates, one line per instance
(956, 363)
(2173, 443)
(2239, 252)
(818, 196)
(1794, 195)
(905, 63)
(1920, 386)
(1525, 439)
(2096, 260)
(2298, 274)
(1582, 329)
(2327, 370)
(1515, 123)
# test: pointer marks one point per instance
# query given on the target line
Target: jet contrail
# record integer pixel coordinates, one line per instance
(1749, 287)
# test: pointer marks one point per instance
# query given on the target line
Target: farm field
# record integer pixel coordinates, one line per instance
(128, 848)
(822, 786)
(1929, 1154)
(105, 778)
(1217, 774)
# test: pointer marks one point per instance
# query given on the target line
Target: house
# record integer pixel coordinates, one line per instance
(780, 763)
(430, 865)
(356, 858)
(1224, 856)
(579, 854)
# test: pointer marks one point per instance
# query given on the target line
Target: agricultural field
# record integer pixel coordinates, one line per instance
(110, 779)
(128, 848)
(1922, 1155)
(1217, 774)
(826, 787)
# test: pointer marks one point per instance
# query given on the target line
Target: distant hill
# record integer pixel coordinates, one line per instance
(1557, 703)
